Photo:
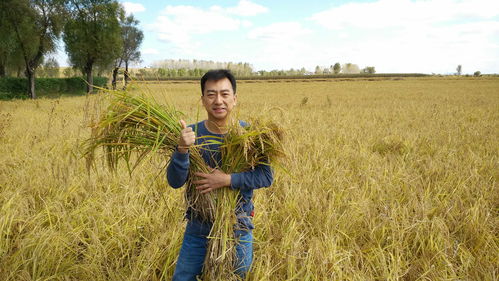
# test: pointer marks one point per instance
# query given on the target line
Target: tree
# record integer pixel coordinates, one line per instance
(93, 35)
(7, 43)
(161, 72)
(350, 68)
(459, 69)
(16, 64)
(369, 70)
(36, 24)
(132, 38)
(181, 72)
(337, 68)
(318, 70)
(477, 74)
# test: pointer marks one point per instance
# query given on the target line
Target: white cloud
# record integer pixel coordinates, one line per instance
(282, 45)
(279, 31)
(247, 23)
(180, 24)
(199, 21)
(132, 8)
(247, 8)
(400, 13)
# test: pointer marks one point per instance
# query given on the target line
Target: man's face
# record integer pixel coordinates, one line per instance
(218, 99)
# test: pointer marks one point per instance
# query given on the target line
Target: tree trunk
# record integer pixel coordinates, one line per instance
(126, 75)
(115, 74)
(2, 70)
(31, 83)
(90, 78)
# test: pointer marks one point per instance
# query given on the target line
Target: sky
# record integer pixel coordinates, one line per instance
(394, 36)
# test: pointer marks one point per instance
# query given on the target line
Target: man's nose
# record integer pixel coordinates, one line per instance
(218, 99)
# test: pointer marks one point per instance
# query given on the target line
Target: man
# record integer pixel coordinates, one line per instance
(218, 90)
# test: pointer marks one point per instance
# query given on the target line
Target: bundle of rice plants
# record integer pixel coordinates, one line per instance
(134, 126)
(242, 149)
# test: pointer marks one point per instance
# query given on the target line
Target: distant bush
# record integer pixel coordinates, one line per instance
(477, 74)
(18, 87)
(12, 88)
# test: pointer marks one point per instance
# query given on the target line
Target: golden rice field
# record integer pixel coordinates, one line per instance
(384, 180)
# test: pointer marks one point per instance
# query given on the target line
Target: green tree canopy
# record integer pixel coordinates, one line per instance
(7, 43)
(36, 25)
(93, 35)
(369, 70)
(131, 37)
(337, 68)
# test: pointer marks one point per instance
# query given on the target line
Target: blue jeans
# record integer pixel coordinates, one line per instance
(193, 251)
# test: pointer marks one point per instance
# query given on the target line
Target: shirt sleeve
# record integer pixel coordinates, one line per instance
(261, 176)
(178, 169)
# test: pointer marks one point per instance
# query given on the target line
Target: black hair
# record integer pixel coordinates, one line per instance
(217, 74)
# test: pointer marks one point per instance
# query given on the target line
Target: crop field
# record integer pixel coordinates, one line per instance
(390, 179)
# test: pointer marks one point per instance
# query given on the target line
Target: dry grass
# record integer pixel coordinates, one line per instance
(389, 180)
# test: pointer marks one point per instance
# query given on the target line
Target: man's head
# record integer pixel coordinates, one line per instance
(218, 89)
(218, 74)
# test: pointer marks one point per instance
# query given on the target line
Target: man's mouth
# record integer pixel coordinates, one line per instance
(219, 109)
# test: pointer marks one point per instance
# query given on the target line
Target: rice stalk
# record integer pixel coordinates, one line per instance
(133, 127)
(242, 150)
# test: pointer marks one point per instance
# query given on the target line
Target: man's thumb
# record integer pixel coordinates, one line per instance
(183, 124)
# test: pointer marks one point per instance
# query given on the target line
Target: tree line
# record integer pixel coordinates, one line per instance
(347, 68)
(170, 68)
(97, 34)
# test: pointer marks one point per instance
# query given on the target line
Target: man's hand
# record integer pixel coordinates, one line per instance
(209, 182)
(187, 138)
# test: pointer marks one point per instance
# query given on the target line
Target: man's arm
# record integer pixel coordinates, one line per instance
(261, 176)
(178, 168)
